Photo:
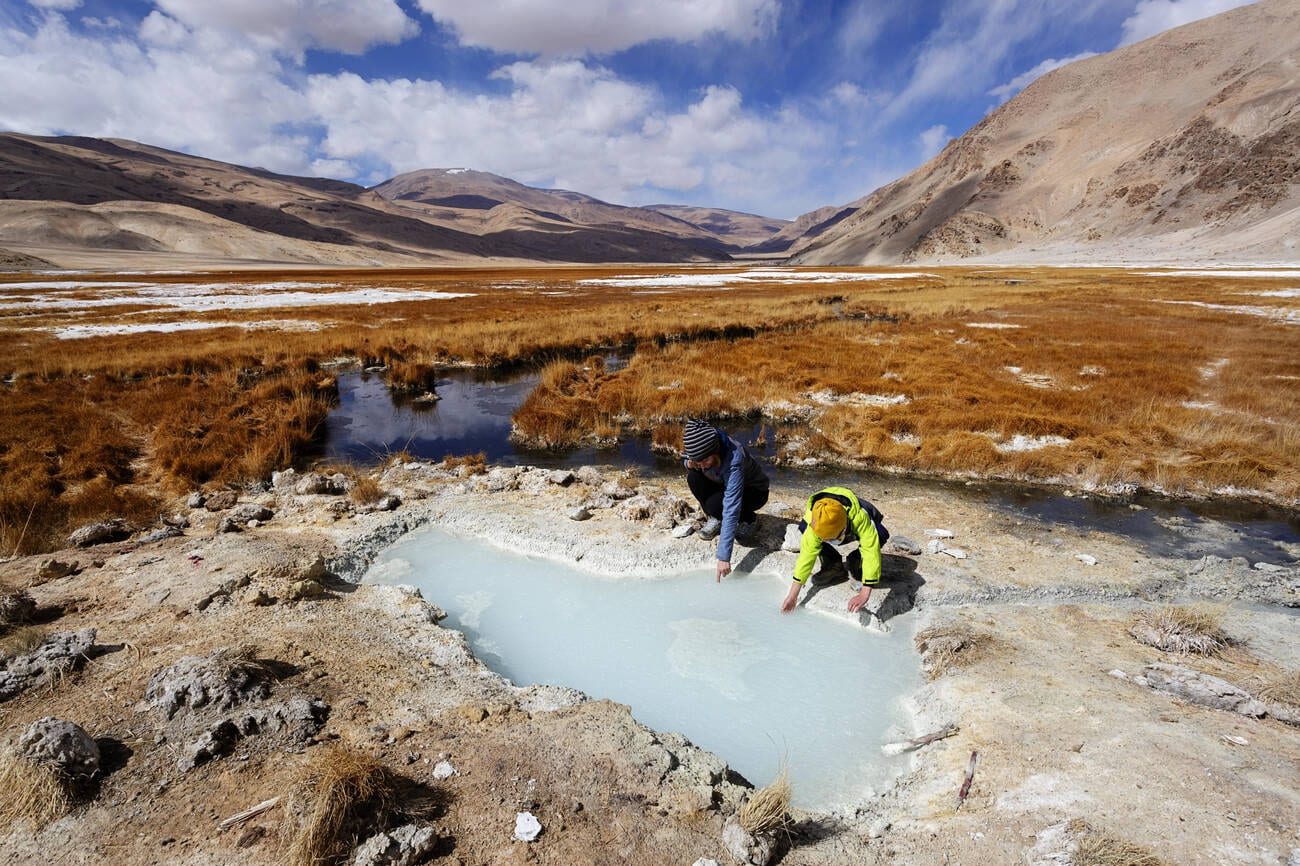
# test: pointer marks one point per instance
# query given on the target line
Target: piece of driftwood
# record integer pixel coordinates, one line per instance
(970, 777)
(248, 814)
(917, 742)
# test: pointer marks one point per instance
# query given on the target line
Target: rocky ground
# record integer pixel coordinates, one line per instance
(230, 648)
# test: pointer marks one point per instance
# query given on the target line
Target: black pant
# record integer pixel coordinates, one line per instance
(831, 559)
(709, 494)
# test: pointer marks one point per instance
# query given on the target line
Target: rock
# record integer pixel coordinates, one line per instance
(53, 569)
(316, 484)
(307, 590)
(221, 500)
(637, 508)
(562, 477)
(178, 520)
(935, 546)
(1294, 859)
(444, 770)
(99, 533)
(161, 534)
(1086, 559)
(878, 828)
(954, 552)
(220, 681)
(616, 489)
(1269, 568)
(746, 848)
(62, 745)
(682, 530)
(902, 544)
(294, 721)
(401, 846)
(527, 827)
(1201, 689)
(597, 503)
(501, 478)
(284, 479)
(705, 862)
(195, 499)
(16, 608)
(579, 513)
(58, 654)
(248, 512)
(793, 538)
(589, 475)
(940, 533)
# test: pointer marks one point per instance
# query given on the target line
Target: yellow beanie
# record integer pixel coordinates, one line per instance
(828, 519)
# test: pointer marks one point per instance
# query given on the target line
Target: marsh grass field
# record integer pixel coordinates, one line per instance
(1101, 378)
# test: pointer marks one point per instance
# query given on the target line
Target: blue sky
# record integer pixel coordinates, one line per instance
(769, 106)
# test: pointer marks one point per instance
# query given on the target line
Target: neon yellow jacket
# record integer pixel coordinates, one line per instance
(859, 526)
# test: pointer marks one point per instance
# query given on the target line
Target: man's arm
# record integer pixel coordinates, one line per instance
(733, 480)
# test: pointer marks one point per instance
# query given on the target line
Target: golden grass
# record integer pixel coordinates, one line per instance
(1282, 690)
(1196, 630)
(768, 809)
(467, 464)
(21, 641)
(949, 647)
(1181, 398)
(30, 792)
(1097, 849)
(341, 796)
(365, 490)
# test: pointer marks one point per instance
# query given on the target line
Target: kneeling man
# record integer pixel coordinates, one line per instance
(727, 481)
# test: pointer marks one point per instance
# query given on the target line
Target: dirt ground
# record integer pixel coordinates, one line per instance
(1059, 736)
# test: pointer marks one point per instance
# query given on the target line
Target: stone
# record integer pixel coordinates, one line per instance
(248, 512)
(444, 770)
(705, 862)
(682, 530)
(53, 569)
(500, 479)
(58, 654)
(579, 513)
(954, 552)
(178, 520)
(221, 500)
(317, 484)
(295, 720)
(562, 477)
(99, 533)
(940, 533)
(307, 590)
(1201, 689)
(793, 538)
(589, 475)
(878, 828)
(746, 848)
(16, 608)
(635, 509)
(902, 544)
(195, 499)
(62, 745)
(527, 827)
(161, 534)
(1086, 559)
(616, 489)
(934, 546)
(220, 680)
(401, 846)
(1269, 568)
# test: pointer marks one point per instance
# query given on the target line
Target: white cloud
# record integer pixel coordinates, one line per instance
(1005, 91)
(1156, 16)
(350, 26)
(159, 29)
(864, 22)
(62, 5)
(933, 140)
(575, 27)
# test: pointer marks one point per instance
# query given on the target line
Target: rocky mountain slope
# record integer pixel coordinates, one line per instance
(76, 200)
(740, 229)
(1183, 147)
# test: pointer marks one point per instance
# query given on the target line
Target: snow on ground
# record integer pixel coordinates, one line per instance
(1280, 293)
(993, 326)
(220, 296)
(779, 277)
(1211, 273)
(1277, 314)
(828, 398)
(1020, 442)
(79, 332)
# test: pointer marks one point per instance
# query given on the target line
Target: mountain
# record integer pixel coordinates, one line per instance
(1183, 147)
(93, 202)
(743, 230)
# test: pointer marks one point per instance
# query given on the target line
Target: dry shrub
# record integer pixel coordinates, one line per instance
(411, 377)
(32, 792)
(768, 810)
(21, 641)
(340, 797)
(1194, 630)
(949, 647)
(365, 490)
(1282, 690)
(467, 464)
(1097, 849)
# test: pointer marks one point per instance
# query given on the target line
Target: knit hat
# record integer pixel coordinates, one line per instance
(699, 439)
(828, 519)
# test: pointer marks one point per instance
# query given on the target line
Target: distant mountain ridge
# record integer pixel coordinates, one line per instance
(75, 199)
(1183, 147)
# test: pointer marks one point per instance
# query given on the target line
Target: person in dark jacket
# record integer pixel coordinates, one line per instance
(836, 516)
(727, 481)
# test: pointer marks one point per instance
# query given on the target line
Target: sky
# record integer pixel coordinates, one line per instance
(774, 107)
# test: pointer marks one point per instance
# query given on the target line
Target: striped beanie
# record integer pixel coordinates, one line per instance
(699, 439)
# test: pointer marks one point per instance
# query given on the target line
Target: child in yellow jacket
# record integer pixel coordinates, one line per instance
(836, 516)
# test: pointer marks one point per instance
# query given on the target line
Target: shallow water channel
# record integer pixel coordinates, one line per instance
(717, 662)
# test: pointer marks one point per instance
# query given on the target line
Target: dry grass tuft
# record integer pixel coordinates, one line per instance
(949, 647)
(1283, 690)
(21, 642)
(30, 792)
(341, 796)
(365, 490)
(1194, 630)
(467, 464)
(768, 810)
(1097, 849)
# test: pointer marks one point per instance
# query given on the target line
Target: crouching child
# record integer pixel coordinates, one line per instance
(835, 516)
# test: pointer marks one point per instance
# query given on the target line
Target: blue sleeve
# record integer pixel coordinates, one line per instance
(734, 479)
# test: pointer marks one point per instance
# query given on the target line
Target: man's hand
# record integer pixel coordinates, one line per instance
(724, 569)
(856, 603)
(791, 599)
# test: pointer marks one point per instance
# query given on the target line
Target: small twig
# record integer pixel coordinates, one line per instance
(248, 814)
(917, 742)
(970, 777)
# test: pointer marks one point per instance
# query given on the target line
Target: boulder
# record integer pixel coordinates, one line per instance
(589, 475)
(562, 477)
(293, 722)
(637, 508)
(16, 608)
(195, 499)
(617, 489)
(99, 533)
(317, 484)
(58, 654)
(162, 533)
(62, 745)
(53, 569)
(902, 544)
(1202, 689)
(221, 500)
(746, 848)
(219, 681)
(401, 846)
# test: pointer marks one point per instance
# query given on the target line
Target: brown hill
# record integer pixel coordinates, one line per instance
(77, 201)
(732, 227)
(1180, 148)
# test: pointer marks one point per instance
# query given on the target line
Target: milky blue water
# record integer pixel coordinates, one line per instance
(717, 662)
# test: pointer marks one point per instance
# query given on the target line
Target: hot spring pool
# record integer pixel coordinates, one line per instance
(718, 663)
